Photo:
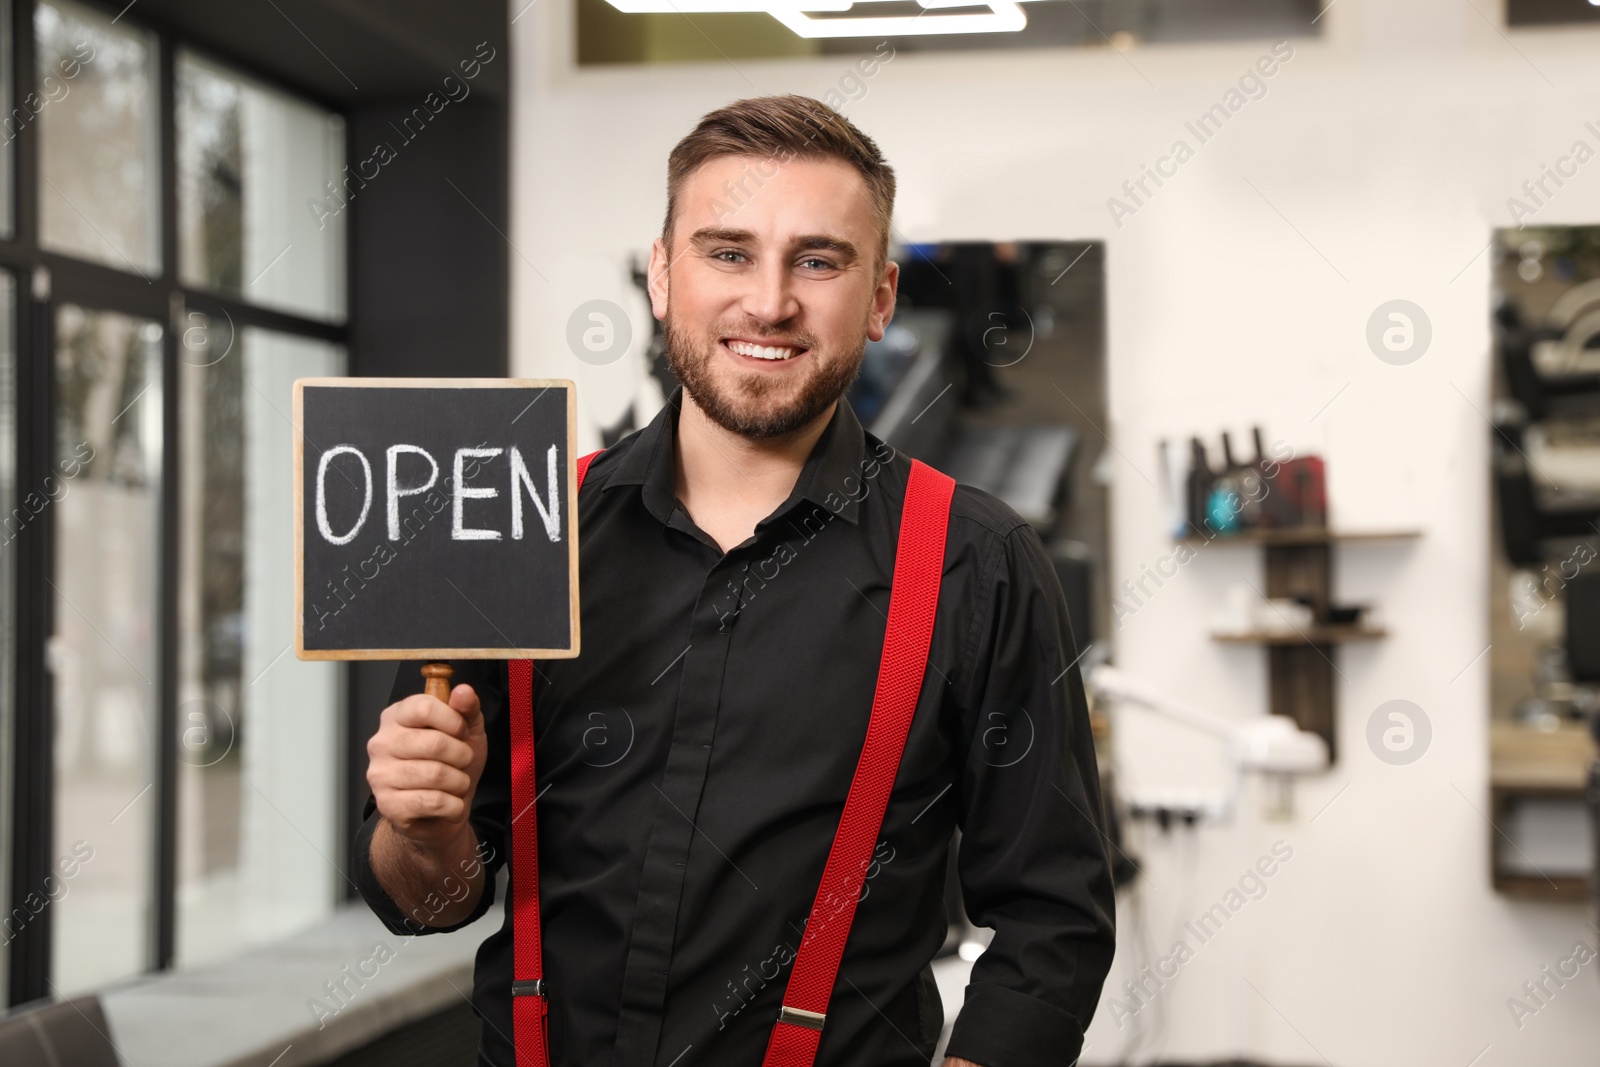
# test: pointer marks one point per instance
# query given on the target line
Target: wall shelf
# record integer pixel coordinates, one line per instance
(1326, 634)
(1300, 535)
(1299, 563)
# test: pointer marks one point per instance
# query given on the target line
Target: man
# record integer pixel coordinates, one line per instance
(736, 557)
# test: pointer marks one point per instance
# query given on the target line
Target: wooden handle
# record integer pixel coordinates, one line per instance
(438, 677)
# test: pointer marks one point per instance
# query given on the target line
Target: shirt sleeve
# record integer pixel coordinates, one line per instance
(490, 814)
(1032, 863)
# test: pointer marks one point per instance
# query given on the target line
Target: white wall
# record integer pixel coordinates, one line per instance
(1374, 168)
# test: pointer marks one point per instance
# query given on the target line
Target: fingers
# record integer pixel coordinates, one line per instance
(422, 712)
(464, 699)
(406, 807)
(426, 775)
(424, 761)
(407, 744)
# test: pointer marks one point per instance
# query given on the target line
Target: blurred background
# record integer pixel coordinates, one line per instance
(1279, 320)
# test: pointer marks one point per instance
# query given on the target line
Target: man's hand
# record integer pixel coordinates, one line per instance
(952, 1061)
(424, 765)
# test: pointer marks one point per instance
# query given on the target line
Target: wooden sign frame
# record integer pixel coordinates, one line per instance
(571, 495)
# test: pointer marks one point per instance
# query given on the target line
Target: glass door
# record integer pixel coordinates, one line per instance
(171, 776)
(103, 649)
(258, 747)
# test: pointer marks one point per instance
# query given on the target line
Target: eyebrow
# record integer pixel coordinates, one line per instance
(810, 242)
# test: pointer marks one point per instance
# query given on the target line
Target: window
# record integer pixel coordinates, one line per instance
(175, 249)
(181, 776)
(102, 654)
(98, 176)
(251, 163)
(258, 737)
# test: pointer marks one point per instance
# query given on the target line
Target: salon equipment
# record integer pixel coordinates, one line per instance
(1583, 626)
(903, 380)
(1527, 520)
(1270, 744)
(1024, 465)
(1553, 367)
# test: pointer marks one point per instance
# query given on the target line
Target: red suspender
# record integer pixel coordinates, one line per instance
(913, 599)
(913, 602)
(529, 1008)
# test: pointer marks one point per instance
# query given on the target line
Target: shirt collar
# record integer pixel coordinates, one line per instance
(832, 476)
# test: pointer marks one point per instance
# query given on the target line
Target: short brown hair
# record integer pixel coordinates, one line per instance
(783, 128)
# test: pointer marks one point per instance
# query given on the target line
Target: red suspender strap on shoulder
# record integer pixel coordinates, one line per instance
(528, 1005)
(913, 600)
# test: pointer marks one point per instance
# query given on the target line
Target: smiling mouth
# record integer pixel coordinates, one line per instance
(765, 353)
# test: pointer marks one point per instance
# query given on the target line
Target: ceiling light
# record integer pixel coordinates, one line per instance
(1002, 16)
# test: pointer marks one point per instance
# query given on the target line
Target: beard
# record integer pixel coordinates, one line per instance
(758, 405)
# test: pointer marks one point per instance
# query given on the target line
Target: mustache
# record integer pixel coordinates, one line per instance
(767, 337)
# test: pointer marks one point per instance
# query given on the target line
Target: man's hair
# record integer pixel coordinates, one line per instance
(783, 128)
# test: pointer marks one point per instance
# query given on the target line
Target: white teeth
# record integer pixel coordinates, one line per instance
(761, 351)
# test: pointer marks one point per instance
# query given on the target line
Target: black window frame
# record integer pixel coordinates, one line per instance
(45, 280)
(427, 293)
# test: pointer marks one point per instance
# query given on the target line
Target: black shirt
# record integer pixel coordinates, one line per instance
(694, 760)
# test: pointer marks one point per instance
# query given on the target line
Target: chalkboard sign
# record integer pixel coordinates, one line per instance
(435, 518)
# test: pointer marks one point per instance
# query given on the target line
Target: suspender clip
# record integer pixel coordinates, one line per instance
(811, 1020)
(532, 987)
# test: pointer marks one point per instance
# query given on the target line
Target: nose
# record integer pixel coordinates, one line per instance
(771, 296)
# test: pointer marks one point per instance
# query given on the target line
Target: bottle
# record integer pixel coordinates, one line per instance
(1199, 488)
(1253, 487)
(1311, 490)
(1280, 506)
(1227, 496)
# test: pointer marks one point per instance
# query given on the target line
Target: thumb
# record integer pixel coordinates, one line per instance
(464, 699)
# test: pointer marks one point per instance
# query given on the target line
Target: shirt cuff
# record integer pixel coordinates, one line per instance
(379, 901)
(999, 1027)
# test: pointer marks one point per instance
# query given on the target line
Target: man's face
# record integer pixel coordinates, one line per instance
(773, 290)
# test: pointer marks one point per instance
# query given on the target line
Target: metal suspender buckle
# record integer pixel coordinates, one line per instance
(531, 987)
(811, 1020)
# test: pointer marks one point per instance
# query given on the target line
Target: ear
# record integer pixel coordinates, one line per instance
(657, 283)
(883, 301)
